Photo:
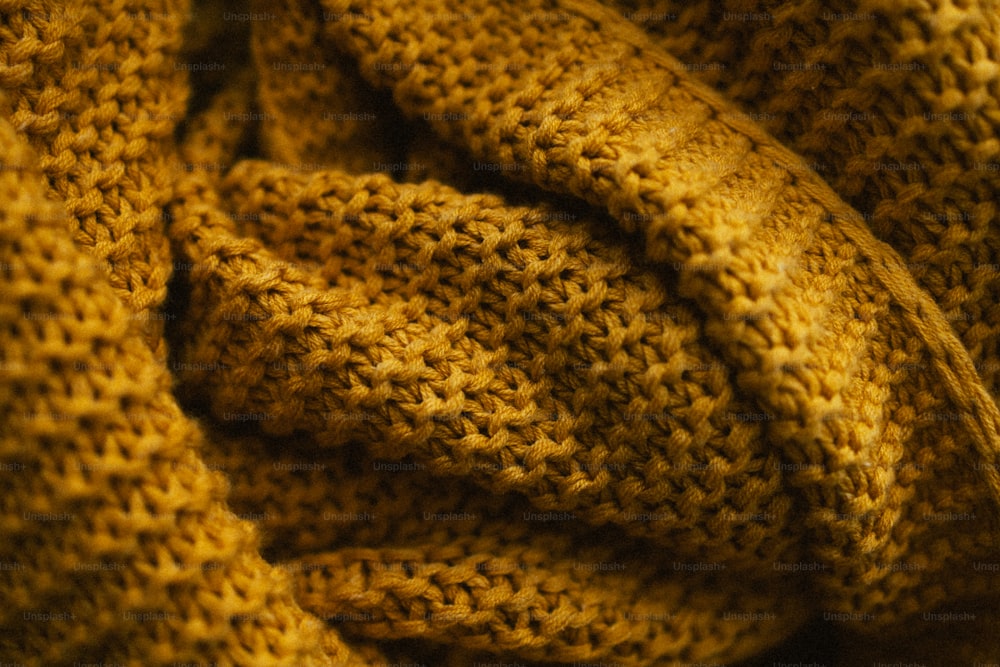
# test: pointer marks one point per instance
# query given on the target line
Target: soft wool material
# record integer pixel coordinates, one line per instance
(372, 332)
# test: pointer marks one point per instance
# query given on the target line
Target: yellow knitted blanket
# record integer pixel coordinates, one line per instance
(489, 333)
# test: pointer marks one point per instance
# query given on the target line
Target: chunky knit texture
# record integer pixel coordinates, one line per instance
(440, 332)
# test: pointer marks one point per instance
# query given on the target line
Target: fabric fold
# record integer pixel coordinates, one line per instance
(714, 195)
(487, 595)
(510, 412)
(133, 555)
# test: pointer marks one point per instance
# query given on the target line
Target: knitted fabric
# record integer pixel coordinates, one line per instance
(365, 332)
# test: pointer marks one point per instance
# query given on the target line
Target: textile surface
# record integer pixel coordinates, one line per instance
(467, 333)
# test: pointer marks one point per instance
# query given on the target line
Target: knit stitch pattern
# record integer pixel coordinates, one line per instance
(368, 332)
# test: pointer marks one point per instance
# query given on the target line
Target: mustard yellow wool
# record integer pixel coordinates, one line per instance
(458, 333)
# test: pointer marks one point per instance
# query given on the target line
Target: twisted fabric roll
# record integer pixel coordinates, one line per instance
(364, 332)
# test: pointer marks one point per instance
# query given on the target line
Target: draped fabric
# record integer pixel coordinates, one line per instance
(541, 332)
